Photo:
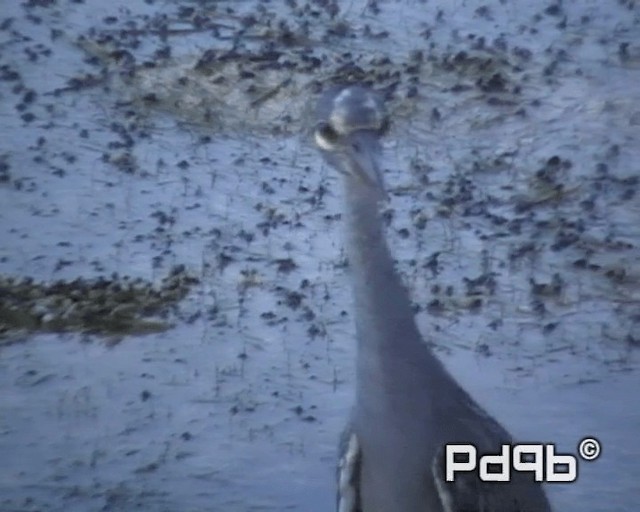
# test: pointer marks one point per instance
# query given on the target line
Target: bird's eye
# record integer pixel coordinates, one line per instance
(327, 132)
(384, 126)
(326, 136)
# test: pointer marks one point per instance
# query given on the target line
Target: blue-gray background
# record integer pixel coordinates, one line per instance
(240, 408)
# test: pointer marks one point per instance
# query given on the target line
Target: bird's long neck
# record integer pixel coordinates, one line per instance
(384, 316)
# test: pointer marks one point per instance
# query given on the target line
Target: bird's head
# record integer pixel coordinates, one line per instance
(350, 122)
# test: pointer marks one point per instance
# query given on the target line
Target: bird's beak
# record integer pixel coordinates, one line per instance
(362, 159)
(356, 155)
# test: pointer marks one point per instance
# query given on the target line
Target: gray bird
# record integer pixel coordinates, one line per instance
(407, 406)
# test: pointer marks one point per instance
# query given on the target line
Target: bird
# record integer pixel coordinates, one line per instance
(407, 405)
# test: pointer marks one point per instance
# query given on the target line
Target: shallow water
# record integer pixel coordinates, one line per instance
(239, 407)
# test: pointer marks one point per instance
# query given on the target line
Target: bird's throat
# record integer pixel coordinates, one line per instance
(382, 305)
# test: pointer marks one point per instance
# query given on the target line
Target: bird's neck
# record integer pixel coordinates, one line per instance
(384, 315)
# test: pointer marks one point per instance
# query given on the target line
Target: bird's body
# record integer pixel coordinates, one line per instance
(407, 405)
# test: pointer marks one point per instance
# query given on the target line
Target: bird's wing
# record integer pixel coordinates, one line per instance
(467, 493)
(348, 473)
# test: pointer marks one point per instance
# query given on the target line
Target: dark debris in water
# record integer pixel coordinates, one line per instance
(116, 305)
(275, 64)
